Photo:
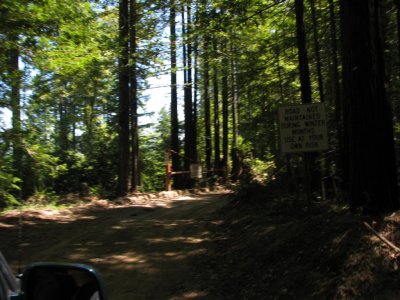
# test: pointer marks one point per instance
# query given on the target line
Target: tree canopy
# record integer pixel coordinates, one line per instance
(73, 76)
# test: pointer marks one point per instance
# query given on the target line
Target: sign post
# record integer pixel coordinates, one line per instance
(168, 172)
(303, 129)
(196, 171)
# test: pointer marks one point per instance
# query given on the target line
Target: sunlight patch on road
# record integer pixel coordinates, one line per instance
(186, 198)
(128, 261)
(186, 240)
(190, 295)
(117, 227)
(4, 225)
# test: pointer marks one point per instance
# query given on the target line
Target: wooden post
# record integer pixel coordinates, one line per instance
(168, 176)
(307, 178)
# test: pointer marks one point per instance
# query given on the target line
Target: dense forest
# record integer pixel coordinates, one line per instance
(74, 75)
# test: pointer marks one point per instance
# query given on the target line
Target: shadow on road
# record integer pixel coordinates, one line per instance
(142, 252)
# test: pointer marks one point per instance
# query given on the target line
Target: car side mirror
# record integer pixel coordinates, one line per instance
(50, 281)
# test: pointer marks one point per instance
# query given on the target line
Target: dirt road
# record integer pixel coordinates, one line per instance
(142, 252)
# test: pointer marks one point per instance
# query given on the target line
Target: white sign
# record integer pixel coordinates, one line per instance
(303, 128)
(196, 171)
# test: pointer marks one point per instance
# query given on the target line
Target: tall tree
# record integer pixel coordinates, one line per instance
(305, 89)
(336, 94)
(15, 78)
(317, 50)
(236, 167)
(123, 85)
(225, 110)
(207, 106)
(189, 143)
(135, 169)
(367, 113)
(303, 56)
(217, 149)
(397, 3)
(174, 146)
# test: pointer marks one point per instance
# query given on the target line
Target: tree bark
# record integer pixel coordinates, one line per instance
(397, 3)
(217, 149)
(207, 106)
(336, 94)
(123, 87)
(15, 93)
(187, 93)
(303, 56)
(372, 177)
(337, 99)
(225, 112)
(195, 83)
(236, 165)
(135, 169)
(305, 91)
(176, 162)
(317, 50)
(15, 78)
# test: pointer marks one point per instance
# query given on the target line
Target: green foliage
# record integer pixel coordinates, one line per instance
(8, 186)
(70, 108)
(153, 146)
(261, 170)
(43, 198)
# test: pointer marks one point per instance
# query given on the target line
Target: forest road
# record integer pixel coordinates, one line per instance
(142, 252)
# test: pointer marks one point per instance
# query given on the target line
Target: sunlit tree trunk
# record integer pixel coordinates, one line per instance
(123, 87)
(135, 169)
(63, 123)
(15, 78)
(217, 149)
(236, 166)
(176, 163)
(186, 93)
(207, 106)
(196, 82)
(225, 112)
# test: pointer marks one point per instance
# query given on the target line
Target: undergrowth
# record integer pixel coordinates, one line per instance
(265, 247)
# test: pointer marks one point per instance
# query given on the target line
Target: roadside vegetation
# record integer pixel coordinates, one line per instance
(265, 247)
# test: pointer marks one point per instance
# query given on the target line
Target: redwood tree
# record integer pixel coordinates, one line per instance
(174, 94)
(372, 174)
(133, 97)
(123, 84)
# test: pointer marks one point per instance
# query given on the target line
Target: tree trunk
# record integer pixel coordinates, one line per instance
(236, 165)
(186, 97)
(341, 166)
(15, 101)
(195, 86)
(225, 114)
(176, 162)
(397, 3)
(317, 51)
(372, 178)
(123, 87)
(63, 141)
(135, 170)
(207, 106)
(336, 94)
(305, 91)
(217, 149)
(303, 56)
